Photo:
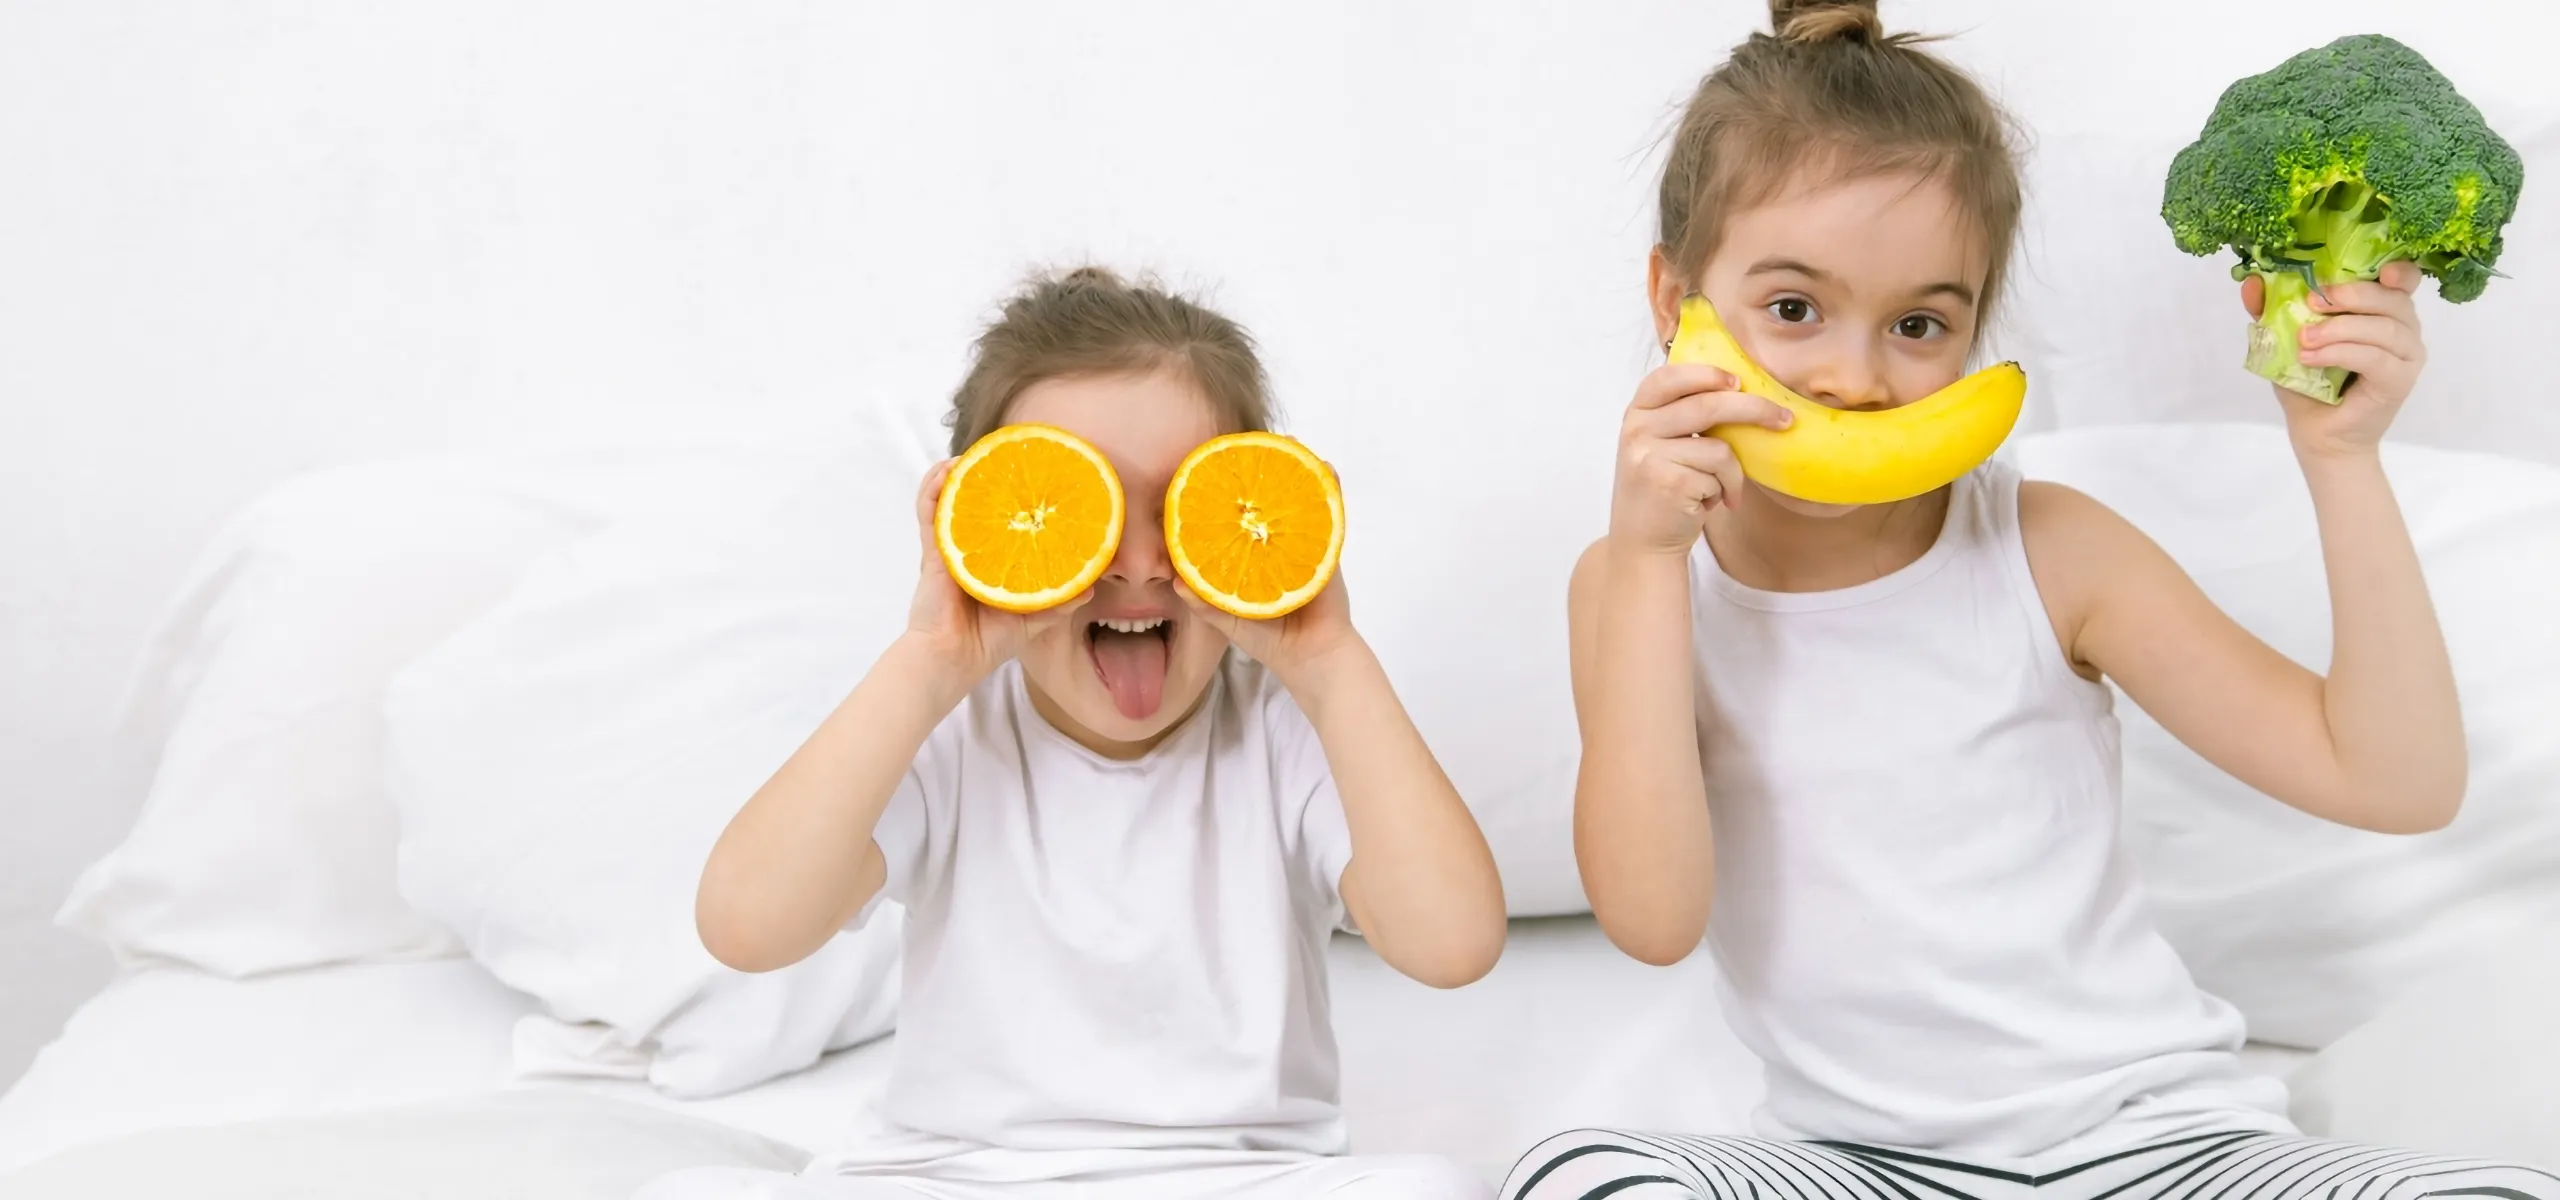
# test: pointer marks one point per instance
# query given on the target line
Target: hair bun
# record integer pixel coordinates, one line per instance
(1810, 22)
(1090, 276)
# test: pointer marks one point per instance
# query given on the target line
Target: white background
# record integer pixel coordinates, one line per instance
(242, 240)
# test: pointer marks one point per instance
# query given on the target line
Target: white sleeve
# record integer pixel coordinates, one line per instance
(1302, 782)
(1325, 835)
(914, 832)
(901, 835)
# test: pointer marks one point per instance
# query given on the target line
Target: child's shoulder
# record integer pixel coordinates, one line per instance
(2071, 535)
(2088, 560)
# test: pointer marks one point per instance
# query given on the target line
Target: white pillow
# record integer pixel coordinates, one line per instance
(2310, 928)
(563, 764)
(2117, 326)
(1470, 627)
(2467, 1063)
(177, 1046)
(559, 1145)
(264, 843)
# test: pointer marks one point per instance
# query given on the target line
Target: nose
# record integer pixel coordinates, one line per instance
(1141, 559)
(1855, 381)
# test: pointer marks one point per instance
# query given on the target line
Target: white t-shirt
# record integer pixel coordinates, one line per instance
(1124, 955)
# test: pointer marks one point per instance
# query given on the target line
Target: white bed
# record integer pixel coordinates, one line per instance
(546, 999)
(423, 830)
(1566, 1031)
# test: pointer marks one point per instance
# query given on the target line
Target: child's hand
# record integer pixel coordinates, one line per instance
(969, 637)
(1668, 477)
(1289, 646)
(2372, 330)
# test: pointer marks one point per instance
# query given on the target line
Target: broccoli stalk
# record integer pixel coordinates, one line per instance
(2343, 234)
(2331, 165)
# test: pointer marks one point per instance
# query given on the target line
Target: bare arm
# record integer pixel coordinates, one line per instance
(1641, 832)
(1421, 883)
(799, 861)
(2377, 743)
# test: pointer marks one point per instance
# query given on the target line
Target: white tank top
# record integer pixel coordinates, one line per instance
(1926, 926)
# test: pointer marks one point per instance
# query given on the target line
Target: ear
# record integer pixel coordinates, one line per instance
(1664, 287)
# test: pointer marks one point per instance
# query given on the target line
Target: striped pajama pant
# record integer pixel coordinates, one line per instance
(1593, 1164)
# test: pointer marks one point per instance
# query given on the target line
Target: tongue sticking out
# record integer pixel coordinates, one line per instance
(1132, 667)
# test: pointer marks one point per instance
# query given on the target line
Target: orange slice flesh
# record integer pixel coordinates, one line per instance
(1029, 518)
(1253, 522)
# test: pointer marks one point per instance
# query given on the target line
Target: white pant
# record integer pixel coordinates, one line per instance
(1365, 1177)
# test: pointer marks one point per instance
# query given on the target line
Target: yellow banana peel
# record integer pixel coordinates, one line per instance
(1835, 456)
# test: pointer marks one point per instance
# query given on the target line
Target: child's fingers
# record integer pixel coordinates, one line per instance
(1700, 413)
(1667, 384)
(2370, 298)
(1035, 624)
(1701, 471)
(1191, 601)
(2366, 360)
(929, 495)
(2383, 333)
(929, 498)
(1203, 611)
(2253, 295)
(2402, 276)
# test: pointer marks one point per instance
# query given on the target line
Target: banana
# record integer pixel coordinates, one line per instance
(1834, 456)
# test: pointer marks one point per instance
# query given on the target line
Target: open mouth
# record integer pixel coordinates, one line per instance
(1129, 656)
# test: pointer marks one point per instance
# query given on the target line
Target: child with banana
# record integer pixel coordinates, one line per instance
(1843, 680)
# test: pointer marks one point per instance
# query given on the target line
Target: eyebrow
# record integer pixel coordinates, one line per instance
(1769, 265)
(1792, 266)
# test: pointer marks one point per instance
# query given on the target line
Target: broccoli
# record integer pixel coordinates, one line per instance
(2337, 161)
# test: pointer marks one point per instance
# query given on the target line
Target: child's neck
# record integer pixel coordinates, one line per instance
(1765, 545)
(1048, 709)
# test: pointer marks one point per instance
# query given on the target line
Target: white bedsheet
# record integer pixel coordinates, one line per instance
(1566, 1031)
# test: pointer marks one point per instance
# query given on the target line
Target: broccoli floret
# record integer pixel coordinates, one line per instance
(2339, 160)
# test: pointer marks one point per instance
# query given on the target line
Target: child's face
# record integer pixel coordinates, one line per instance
(1859, 294)
(1118, 692)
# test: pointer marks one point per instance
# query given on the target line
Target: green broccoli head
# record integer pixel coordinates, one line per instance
(2337, 161)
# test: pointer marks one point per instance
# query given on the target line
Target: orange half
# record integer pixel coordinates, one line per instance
(1029, 518)
(1253, 522)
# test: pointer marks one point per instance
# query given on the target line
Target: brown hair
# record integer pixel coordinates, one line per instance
(1828, 86)
(1089, 321)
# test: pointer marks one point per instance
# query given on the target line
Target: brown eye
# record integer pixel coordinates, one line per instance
(1918, 327)
(1792, 311)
